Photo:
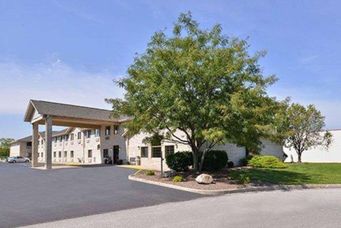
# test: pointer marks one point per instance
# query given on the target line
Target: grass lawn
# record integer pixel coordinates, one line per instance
(295, 174)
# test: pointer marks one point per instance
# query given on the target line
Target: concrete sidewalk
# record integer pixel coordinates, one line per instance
(297, 208)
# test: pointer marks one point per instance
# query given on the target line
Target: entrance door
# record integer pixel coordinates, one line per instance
(116, 151)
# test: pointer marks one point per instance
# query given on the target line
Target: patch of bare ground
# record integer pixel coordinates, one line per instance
(221, 180)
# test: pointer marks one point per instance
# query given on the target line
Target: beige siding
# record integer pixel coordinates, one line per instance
(15, 150)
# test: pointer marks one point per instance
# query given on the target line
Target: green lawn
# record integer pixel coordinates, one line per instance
(295, 174)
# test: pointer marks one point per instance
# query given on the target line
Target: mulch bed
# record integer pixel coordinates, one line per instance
(221, 180)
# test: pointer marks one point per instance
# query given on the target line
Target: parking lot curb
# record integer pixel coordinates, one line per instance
(242, 189)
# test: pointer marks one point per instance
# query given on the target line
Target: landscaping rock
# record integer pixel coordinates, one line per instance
(204, 179)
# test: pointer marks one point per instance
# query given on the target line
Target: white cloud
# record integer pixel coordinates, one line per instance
(53, 82)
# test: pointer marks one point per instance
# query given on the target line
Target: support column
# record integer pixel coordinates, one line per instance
(35, 135)
(48, 142)
(101, 142)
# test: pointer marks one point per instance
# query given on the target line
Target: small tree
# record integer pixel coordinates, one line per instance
(304, 129)
(5, 146)
(201, 83)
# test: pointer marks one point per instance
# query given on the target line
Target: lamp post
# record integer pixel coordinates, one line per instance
(161, 166)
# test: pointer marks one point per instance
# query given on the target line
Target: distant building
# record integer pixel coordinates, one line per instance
(319, 154)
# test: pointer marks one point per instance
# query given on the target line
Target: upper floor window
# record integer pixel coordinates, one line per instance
(87, 133)
(29, 144)
(66, 137)
(107, 130)
(115, 131)
(97, 132)
(54, 154)
(72, 136)
(79, 135)
(55, 139)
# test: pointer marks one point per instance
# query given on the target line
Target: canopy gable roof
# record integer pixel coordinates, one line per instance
(70, 115)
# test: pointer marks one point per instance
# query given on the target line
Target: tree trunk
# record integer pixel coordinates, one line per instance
(202, 160)
(299, 155)
(195, 159)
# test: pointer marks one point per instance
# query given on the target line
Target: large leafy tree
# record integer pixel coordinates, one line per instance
(201, 83)
(304, 129)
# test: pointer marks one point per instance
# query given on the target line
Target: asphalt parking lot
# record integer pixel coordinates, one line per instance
(30, 196)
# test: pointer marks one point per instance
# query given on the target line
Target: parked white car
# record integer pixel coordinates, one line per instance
(17, 159)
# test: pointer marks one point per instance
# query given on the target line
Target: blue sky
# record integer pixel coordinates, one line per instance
(70, 51)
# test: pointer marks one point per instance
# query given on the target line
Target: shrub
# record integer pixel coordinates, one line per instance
(179, 161)
(230, 164)
(244, 161)
(259, 161)
(178, 179)
(215, 160)
(150, 173)
(243, 179)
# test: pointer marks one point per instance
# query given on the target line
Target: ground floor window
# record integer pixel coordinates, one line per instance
(105, 153)
(71, 153)
(59, 154)
(156, 152)
(42, 155)
(89, 153)
(65, 154)
(54, 154)
(169, 150)
(144, 152)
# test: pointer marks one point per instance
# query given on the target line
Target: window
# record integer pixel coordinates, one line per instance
(60, 138)
(28, 144)
(144, 152)
(98, 146)
(115, 129)
(97, 132)
(169, 150)
(55, 139)
(42, 142)
(156, 152)
(59, 154)
(105, 153)
(107, 130)
(66, 137)
(65, 154)
(42, 155)
(72, 136)
(87, 133)
(54, 154)
(89, 153)
(71, 153)
(79, 135)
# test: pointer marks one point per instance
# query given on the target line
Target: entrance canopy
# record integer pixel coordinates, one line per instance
(50, 113)
(69, 115)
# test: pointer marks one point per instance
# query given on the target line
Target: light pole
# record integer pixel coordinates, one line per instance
(161, 166)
